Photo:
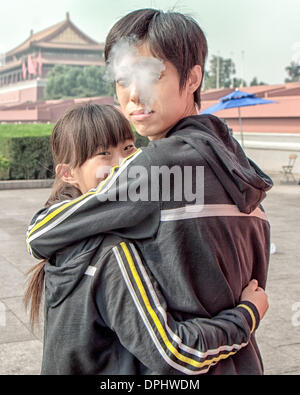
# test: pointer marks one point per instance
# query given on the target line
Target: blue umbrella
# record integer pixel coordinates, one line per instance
(236, 99)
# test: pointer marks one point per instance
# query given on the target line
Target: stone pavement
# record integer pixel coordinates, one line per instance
(278, 335)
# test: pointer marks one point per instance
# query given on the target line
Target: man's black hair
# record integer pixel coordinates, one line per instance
(171, 36)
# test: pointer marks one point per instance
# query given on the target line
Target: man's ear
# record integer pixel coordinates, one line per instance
(65, 172)
(195, 78)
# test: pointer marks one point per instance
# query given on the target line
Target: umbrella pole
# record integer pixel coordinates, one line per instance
(241, 127)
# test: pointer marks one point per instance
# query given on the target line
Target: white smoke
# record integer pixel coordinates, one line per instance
(134, 71)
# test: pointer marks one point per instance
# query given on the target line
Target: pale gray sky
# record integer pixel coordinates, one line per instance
(266, 31)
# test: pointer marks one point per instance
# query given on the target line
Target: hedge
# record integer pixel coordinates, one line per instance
(25, 151)
(140, 141)
(4, 167)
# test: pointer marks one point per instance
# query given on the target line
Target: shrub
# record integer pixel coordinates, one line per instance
(140, 141)
(26, 150)
(4, 167)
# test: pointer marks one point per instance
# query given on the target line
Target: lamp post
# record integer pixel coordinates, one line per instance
(218, 71)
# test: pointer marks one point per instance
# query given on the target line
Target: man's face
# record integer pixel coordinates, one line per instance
(169, 104)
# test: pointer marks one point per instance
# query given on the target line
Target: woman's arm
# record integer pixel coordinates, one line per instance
(107, 208)
(131, 304)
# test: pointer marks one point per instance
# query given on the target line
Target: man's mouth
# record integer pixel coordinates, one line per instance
(141, 114)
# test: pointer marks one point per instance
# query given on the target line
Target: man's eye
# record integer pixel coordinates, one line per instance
(123, 82)
(156, 76)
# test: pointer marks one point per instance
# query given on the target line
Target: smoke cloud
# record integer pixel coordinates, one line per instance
(133, 71)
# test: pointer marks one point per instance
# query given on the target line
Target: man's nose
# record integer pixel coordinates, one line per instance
(134, 92)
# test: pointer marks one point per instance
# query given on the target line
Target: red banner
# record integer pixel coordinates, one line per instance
(31, 64)
(40, 63)
(24, 70)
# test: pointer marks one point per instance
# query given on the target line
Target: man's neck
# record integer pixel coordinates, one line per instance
(194, 111)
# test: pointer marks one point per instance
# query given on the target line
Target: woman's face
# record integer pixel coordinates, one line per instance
(98, 167)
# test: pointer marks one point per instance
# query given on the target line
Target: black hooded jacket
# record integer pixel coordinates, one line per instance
(201, 253)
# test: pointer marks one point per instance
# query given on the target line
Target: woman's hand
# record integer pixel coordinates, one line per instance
(256, 295)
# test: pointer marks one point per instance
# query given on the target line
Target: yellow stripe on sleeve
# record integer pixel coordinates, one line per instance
(157, 322)
(251, 315)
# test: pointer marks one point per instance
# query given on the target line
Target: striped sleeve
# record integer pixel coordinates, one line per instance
(97, 211)
(136, 310)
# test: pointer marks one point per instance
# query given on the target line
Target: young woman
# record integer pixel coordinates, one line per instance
(104, 310)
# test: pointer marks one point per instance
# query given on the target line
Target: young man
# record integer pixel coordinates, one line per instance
(202, 247)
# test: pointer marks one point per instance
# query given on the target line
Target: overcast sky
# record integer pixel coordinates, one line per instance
(266, 31)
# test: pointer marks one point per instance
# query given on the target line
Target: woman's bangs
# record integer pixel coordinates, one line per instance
(90, 128)
(108, 128)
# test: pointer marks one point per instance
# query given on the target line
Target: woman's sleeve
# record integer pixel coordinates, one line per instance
(131, 304)
(109, 208)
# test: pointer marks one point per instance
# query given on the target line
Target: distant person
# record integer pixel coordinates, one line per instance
(202, 254)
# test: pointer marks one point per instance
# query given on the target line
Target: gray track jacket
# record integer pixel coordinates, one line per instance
(201, 253)
(105, 314)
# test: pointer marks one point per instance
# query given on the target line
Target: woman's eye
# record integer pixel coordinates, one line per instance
(129, 147)
(103, 153)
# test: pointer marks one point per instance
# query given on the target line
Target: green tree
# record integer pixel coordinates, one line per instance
(93, 79)
(293, 70)
(255, 82)
(54, 87)
(238, 82)
(220, 74)
(69, 81)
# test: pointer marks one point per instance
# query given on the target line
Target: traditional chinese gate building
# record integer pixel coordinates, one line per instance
(23, 73)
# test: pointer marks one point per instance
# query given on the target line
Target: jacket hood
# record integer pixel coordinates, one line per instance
(66, 268)
(243, 180)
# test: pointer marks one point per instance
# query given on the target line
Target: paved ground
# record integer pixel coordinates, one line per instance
(278, 334)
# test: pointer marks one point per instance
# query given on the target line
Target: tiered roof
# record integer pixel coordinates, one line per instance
(63, 35)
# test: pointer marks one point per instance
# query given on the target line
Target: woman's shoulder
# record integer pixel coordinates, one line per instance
(110, 243)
